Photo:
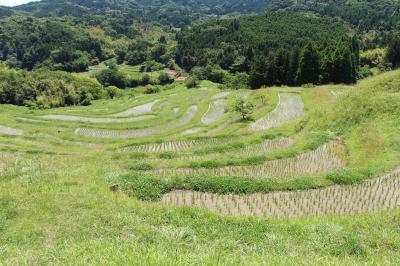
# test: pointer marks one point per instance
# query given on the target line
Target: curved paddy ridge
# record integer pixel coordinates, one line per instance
(95, 120)
(98, 133)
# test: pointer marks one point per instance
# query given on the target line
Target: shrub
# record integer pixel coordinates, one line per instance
(165, 78)
(238, 81)
(152, 66)
(112, 92)
(192, 82)
(112, 77)
(146, 80)
(364, 72)
(152, 89)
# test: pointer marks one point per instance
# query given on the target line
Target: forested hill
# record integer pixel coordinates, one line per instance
(97, 6)
(381, 15)
(275, 48)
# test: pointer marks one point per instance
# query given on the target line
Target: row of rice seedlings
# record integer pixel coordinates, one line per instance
(174, 146)
(324, 159)
(290, 108)
(71, 118)
(372, 196)
(215, 112)
(99, 133)
(267, 147)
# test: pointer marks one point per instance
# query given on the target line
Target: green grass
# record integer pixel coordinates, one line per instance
(56, 206)
(68, 216)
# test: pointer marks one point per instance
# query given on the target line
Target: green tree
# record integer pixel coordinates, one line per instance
(309, 66)
(257, 72)
(192, 82)
(165, 78)
(112, 77)
(393, 52)
(244, 108)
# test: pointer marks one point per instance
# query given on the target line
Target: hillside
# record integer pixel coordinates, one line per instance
(161, 178)
(379, 15)
(176, 13)
(237, 50)
(200, 132)
(76, 7)
(270, 47)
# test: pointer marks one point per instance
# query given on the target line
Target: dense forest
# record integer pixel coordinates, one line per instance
(28, 42)
(275, 48)
(381, 15)
(176, 13)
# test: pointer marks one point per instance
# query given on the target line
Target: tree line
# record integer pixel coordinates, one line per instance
(48, 89)
(278, 48)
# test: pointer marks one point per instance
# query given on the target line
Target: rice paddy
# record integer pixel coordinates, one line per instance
(382, 193)
(215, 112)
(70, 171)
(324, 159)
(10, 131)
(95, 120)
(290, 108)
(98, 133)
(138, 110)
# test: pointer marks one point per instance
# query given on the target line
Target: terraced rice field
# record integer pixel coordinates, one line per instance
(326, 158)
(138, 110)
(221, 95)
(95, 119)
(382, 193)
(290, 108)
(192, 131)
(215, 112)
(172, 136)
(10, 131)
(172, 146)
(98, 133)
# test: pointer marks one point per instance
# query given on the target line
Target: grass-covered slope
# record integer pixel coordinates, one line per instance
(56, 206)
